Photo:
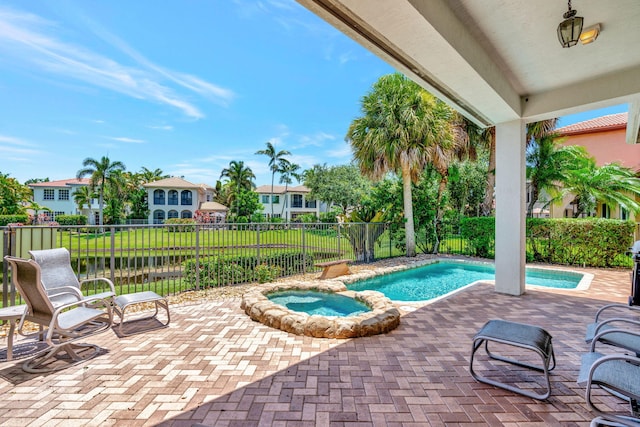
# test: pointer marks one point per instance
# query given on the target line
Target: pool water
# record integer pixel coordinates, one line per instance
(321, 303)
(440, 278)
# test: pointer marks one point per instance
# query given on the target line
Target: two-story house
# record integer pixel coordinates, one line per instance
(58, 196)
(178, 198)
(288, 204)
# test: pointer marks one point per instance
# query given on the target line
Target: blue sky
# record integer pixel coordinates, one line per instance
(184, 86)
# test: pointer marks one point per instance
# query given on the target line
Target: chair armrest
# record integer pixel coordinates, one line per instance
(619, 306)
(611, 331)
(99, 279)
(64, 290)
(626, 320)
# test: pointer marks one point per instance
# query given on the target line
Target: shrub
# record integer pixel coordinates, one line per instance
(13, 219)
(480, 234)
(594, 242)
(219, 271)
(71, 219)
(181, 224)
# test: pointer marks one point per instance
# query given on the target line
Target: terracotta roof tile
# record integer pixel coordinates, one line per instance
(609, 122)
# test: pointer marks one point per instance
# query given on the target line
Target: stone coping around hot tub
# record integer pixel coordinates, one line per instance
(382, 318)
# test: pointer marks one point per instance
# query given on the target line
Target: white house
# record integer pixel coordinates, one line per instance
(58, 196)
(288, 204)
(178, 198)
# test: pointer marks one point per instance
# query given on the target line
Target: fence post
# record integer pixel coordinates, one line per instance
(304, 251)
(112, 258)
(257, 244)
(366, 243)
(197, 261)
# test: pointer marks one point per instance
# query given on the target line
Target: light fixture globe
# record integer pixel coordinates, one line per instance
(569, 30)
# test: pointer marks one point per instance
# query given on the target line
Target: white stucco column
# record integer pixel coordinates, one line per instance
(510, 203)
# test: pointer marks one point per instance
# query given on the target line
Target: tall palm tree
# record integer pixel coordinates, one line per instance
(240, 177)
(100, 171)
(472, 137)
(550, 165)
(276, 161)
(288, 170)
(396, 133)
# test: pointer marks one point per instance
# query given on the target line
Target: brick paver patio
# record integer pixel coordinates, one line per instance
(214, 366)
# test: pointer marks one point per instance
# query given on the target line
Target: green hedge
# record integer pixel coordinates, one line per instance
(592, 242)
(220, 271)
(181, 225)
(13, 219)
(71, 219)
(480, 234)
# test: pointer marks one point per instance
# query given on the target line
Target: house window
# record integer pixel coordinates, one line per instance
(186, 198)
(172, 214)
(49, 194)
(186, 214)
(158, 216)
(606, 211)
(63, 194)
(275, 199)
(158, 198)
(172, 199)
(265, 199)
(624, 214)
(310, 204)
(54, 215)
(297, 201)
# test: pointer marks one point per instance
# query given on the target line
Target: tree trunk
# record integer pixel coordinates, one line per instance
(410, 237)
(534, 198)
(487, 204)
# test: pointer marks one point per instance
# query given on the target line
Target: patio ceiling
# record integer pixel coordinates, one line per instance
(498, 61)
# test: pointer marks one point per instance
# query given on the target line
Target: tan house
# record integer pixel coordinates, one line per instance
(604, 138)
(178, 198)
(288, 203)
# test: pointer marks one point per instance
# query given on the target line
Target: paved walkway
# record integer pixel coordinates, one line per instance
(216, 367)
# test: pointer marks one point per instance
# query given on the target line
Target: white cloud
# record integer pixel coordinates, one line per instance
(340, 152)
(165, 127)
(25, 38)
(317, 140)
(127, 140)
(14, 141)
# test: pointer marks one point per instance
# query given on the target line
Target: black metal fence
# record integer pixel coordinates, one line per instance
(170, 259)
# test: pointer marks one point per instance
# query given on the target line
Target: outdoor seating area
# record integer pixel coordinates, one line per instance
(214, 366)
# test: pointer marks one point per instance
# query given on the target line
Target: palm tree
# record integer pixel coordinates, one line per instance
(147, 175)
(240, 177)
(100, 172)
(82, 196)
(549, 167)
(276, 162)
(611, 184)
(288, 170)
(397, 133)
(473, 137)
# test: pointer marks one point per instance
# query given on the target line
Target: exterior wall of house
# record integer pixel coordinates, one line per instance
(172, 202)
(287, 205)
(607, 147)
(58, 196)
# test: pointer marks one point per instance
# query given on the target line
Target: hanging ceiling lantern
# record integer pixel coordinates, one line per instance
(569, 30)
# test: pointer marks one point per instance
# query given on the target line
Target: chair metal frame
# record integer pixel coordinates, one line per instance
(64, 323)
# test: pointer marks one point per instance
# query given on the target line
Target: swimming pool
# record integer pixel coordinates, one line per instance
(442, 277)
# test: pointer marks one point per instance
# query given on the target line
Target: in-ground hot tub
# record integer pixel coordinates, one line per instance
(374, 314)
